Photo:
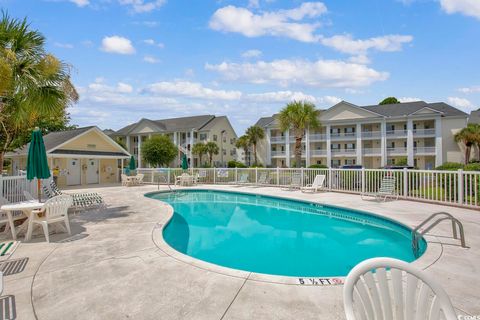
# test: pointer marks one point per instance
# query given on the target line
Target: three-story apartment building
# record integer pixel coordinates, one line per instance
(184, 133)
(371, 136)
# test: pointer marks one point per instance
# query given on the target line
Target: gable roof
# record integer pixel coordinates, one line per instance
(53, 140)
(172, 124)
(474, 117)
(265, 121)
(408, 108)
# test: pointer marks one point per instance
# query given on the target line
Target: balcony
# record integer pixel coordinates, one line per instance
(278, 153)
(318, 153)
(371, 134)
(318, 137)
(372, 151)
(424, 132)
(424, 150)
(343, 136)
(396, 151)
(277, 139)
(396, 133)
(343, 152)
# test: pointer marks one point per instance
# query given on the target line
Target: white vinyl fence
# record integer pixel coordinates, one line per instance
(12, 187)
(460, 188)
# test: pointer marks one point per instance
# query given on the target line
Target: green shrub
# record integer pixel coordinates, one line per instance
(256, 165)
(447, 166)
(472, 167)
(235, 164)
(318, 166)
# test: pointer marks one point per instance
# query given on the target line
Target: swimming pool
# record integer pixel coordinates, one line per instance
(276, 236)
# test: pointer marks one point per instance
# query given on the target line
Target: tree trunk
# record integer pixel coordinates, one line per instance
(467, 154)
(255, 153)
(298, 152)
(211, 159)
(200, 159)
(2, 157)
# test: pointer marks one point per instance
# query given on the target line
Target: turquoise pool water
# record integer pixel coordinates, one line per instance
(281, 237)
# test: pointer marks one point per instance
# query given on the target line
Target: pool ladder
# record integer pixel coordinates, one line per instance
(440, 216)
(166, 182)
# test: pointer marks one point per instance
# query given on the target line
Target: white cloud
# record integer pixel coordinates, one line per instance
(409, 99)
(279, 96)
(466, 7)
(330, 100)
(347, 44)
(191, 89)
(361, 59)
(252, 53)
(152, 42)
(253, 3)
(87, 43)
(472, 89)
(81, 3)
(124, 88)
(117, 44)
(461, 103)
(63, 45)
(151, 59)
(320, 73)
(281, 23)
(142, 6)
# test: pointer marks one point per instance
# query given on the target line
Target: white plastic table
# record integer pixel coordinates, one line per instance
(26, 207)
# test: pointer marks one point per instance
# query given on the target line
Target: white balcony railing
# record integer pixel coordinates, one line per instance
(318, 137)
(343, 152)
(396, 133)
(371, 134)
(428, 150)
(343, 135)
(372, 151)
(317, 153)
(423, 132)
(278, 153)
(401, 151)
(277, 139)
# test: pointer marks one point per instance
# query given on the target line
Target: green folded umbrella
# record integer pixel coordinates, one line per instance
(184, 162)
(37, 163)
(132, 166)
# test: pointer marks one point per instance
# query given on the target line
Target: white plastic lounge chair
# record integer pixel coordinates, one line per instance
(56, 210)
(316, 185)
(243, 179)
(386, 190)
(295, 182)
(385, 288)
(80, 200)
(5, 219)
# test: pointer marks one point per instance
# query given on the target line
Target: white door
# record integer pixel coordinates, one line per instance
(73, 172)
(92, 171)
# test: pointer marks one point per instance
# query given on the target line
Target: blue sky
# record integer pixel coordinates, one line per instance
(246, 59)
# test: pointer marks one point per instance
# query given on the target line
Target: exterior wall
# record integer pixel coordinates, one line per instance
(229, 142)
(90, 141)
(452, 152)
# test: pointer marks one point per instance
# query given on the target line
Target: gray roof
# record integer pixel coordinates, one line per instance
(173, 124)
(88, 152)
(52, 139)
(404, 109)
(263, 122)
(474, 117)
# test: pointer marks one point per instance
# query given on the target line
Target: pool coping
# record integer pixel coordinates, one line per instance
(429, 257)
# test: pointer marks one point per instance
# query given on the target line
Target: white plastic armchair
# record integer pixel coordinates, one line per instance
(56, 210)
(316, 185)
(391, 289)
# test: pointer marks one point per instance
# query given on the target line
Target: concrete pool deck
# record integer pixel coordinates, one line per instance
(113, 266)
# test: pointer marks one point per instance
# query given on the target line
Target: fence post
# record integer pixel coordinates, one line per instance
(1, 186)
(302, 176)
(214, 175)
(405, 182)
(236, 174)
(278, 176)
(256, 175)
(363, 180)
(152, 173)
(329, 178)
(168, 176)
(460, 187)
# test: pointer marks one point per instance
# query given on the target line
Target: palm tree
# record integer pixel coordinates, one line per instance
(33, 83)
(469, 136)
(211, 148)
(298, 116)
(255, 134)
(199, 150)
(243, 143)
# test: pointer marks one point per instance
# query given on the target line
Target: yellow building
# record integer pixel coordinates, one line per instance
(82, 156)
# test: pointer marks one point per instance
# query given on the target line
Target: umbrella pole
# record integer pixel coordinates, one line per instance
(39, 190)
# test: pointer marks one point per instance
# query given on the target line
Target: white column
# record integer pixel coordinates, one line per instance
(329, 147)
(410, 154)
(175, 141)
(139, 158)
(269, 147)
(307, 147)
(287, 148)
(191, 147)
(127, 139)
(359, 143)
(383, 144)
(438, 142)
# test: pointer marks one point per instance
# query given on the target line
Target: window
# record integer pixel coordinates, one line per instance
(349, 162)
(349, 146)
(334, 130)
(224, 139)
(414, 144)
(232, 141)
(319, 161)
(391, 144)
(215, 137)
(335, 146)
(390, 161)
(414, 126)
(390, 127)
(203, 136)
(404, 144)
(335, 163)
(405, 127)
(415, 162)
(349, 130)
(224, 152)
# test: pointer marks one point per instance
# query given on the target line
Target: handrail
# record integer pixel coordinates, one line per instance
(447, 216)
(166, 182)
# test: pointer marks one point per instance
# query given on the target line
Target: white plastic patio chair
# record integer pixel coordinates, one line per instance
(386, 190)
(263, 179)
(316, 185)
(295, 182)
(139, 178)
(391, 289)
(55, 210)
(125, 181)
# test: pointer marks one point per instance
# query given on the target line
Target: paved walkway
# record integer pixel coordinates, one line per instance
(112, 268)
